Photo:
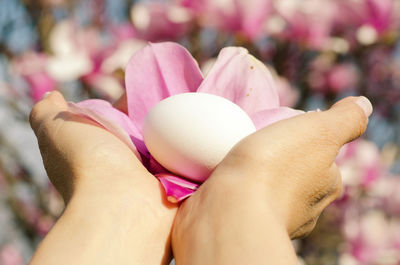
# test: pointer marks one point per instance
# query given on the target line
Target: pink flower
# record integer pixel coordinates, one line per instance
(162, 70)
(360, 164)
(32, 67)
(73, 51)
(342, 77)
(326, 76)
(308, 22)
(155, 21)
(288, 94)
(43, 225)
(378, 14)
(242, 16)
(371, 236)
(10, 255)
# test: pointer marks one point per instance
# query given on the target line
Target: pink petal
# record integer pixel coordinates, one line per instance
(158, 71)
(112, 120)
(253, 16)
(40, 84)
(243, 79)
(378, 13)
(176, 188)
(153, 166)
(266, 117)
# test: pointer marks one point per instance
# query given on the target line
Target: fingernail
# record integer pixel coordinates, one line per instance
(365, 105)
(45, 95)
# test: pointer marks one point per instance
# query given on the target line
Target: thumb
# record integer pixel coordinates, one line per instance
(348, 118)
(51, 105)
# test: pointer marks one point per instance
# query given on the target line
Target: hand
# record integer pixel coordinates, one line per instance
(103, 183)
(273, 182)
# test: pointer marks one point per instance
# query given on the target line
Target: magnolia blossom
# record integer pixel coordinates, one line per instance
(328, 76)
(376, 15)
(155, 21)
(165, 69)
(31, 66)
(243, 16)
(360, 164)
(10, 255)
(102, 77)
(367, 214)
(371, 236)
(72, 49)
(288, 94)
(309, 22)
(371, 224)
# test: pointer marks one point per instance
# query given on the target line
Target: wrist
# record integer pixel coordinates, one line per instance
(225, 218)
(116, 221)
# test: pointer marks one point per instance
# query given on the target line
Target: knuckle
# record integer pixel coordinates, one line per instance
(33, 115)
(305, 229)
(337, 191)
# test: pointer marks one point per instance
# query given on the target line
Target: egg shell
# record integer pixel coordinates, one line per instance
(190, 133)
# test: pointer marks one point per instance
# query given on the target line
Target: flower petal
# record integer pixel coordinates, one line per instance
(243, 79)
(152, 165)
(253, 16)
(266, 117)
(158, 71)
(112, 120)
(176, 188)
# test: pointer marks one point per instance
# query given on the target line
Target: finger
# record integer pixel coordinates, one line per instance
(346, 120)
(122, 104)
(51, 104)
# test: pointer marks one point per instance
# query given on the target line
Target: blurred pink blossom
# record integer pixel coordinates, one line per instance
(342, 77)
(288, 94)
(360, 164)
(157, 21)
(308, 22)
(369, 206)
(103, 77)
(387, 190)
(10, 255)
(31, 66)
(43, 225)
(381, 15)
(72, 51)
(106, 59)
(123, 32)
(246, 17)
(326, 76)
(371, 236)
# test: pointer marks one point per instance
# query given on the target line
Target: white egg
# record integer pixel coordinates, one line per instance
(190, 133)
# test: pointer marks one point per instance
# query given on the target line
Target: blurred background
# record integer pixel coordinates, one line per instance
(319, 51)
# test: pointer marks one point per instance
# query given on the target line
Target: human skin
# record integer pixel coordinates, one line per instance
(116, 211)
(269, 189)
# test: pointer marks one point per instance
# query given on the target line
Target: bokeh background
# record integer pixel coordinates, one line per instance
(319, 51)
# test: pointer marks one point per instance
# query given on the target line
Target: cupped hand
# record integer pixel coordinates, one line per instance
(79, 154)
(90, 166)
(294, 160)
(286, 171)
